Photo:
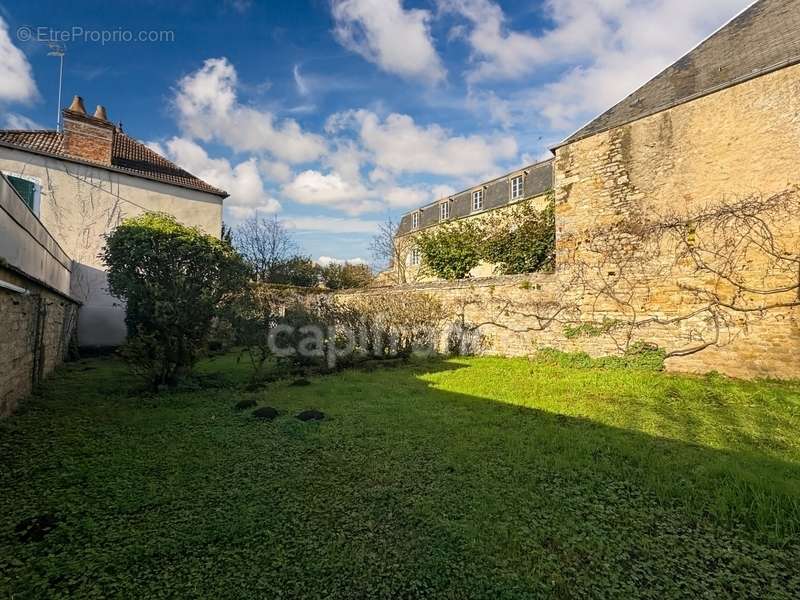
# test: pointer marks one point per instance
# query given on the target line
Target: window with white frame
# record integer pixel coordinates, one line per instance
(444, 211)
(414, 257)
(477, 200)
(517, 187)
(29, 188)
(415, 220)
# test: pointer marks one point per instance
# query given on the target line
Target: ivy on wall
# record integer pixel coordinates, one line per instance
(520, 240)
(451, 251)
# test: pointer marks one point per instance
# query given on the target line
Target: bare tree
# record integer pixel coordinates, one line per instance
(265, 243)
(388, 251)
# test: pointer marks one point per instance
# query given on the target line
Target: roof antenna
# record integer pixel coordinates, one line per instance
(59, 51)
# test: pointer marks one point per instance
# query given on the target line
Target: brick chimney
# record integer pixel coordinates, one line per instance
(87, 137)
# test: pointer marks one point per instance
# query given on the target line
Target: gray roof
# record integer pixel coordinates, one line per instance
(763, 38)
(537, 179)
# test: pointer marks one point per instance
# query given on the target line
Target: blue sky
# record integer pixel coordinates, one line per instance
(337, 114)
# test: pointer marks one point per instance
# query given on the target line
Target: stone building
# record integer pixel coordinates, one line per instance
(677, 217)
(530, 183)
(81, 182)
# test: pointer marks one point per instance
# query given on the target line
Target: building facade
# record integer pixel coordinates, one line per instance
(677, 217)
(528, 184)
(81, 182)
(37, 313)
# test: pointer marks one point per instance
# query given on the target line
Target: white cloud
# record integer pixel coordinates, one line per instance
(208, 109)
(276, 170)
(330, 190)
(17, 121)
(397, 40)
(324, 261)
(242, 181)
(500, 52)
(332, 224)
(607, 49)
(15, 71)
(398, 145)
(300, 82)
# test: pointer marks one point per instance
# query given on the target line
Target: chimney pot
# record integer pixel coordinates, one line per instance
(88, 137)
(77, 105)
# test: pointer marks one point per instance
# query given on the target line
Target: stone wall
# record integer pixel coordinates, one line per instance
(484, 303)
(36, 330)
(37, 315)
(740, 144)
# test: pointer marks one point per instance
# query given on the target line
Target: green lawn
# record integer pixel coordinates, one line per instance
(466, 478)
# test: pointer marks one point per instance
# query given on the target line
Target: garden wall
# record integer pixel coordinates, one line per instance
(37, 316)
(516, 315)
(738, 147)
(680, 229)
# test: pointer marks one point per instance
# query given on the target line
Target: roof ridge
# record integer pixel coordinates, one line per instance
(129, 156)
(761, 38)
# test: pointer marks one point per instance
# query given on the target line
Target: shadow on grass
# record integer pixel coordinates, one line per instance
(405, 490)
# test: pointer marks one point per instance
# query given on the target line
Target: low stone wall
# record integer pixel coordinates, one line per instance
(517, 315)
(36, 327)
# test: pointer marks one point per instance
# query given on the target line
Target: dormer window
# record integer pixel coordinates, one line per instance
(517, 187)
(477, 200)
(444, 211)
(415, 221)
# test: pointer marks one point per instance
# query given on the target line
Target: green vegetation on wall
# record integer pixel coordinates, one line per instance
(521, 240)
(451, 251)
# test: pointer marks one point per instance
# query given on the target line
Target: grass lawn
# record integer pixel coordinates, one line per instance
(465, 478)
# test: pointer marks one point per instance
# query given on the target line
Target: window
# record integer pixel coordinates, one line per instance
(477, 200)
(517, 187)
(414, 257)
(415, 221)
(28, 188)
(444, 211)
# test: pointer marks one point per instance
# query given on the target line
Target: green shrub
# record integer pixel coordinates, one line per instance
(450, 251)
(173, 279)
(298, 270)
(522, 240)
(341, 276)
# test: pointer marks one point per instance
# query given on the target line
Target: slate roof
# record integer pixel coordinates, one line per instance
(537, 178)
(127, 156)
(762, 39)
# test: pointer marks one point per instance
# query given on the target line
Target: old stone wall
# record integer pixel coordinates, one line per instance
(732, 146)
(489, 304)
(36, 326)
(643, 254)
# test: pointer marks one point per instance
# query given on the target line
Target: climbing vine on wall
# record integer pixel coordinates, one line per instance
(451, 251)
(522, 240)
(519, 240)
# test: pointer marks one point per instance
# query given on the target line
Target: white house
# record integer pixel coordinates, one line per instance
(81, 182)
